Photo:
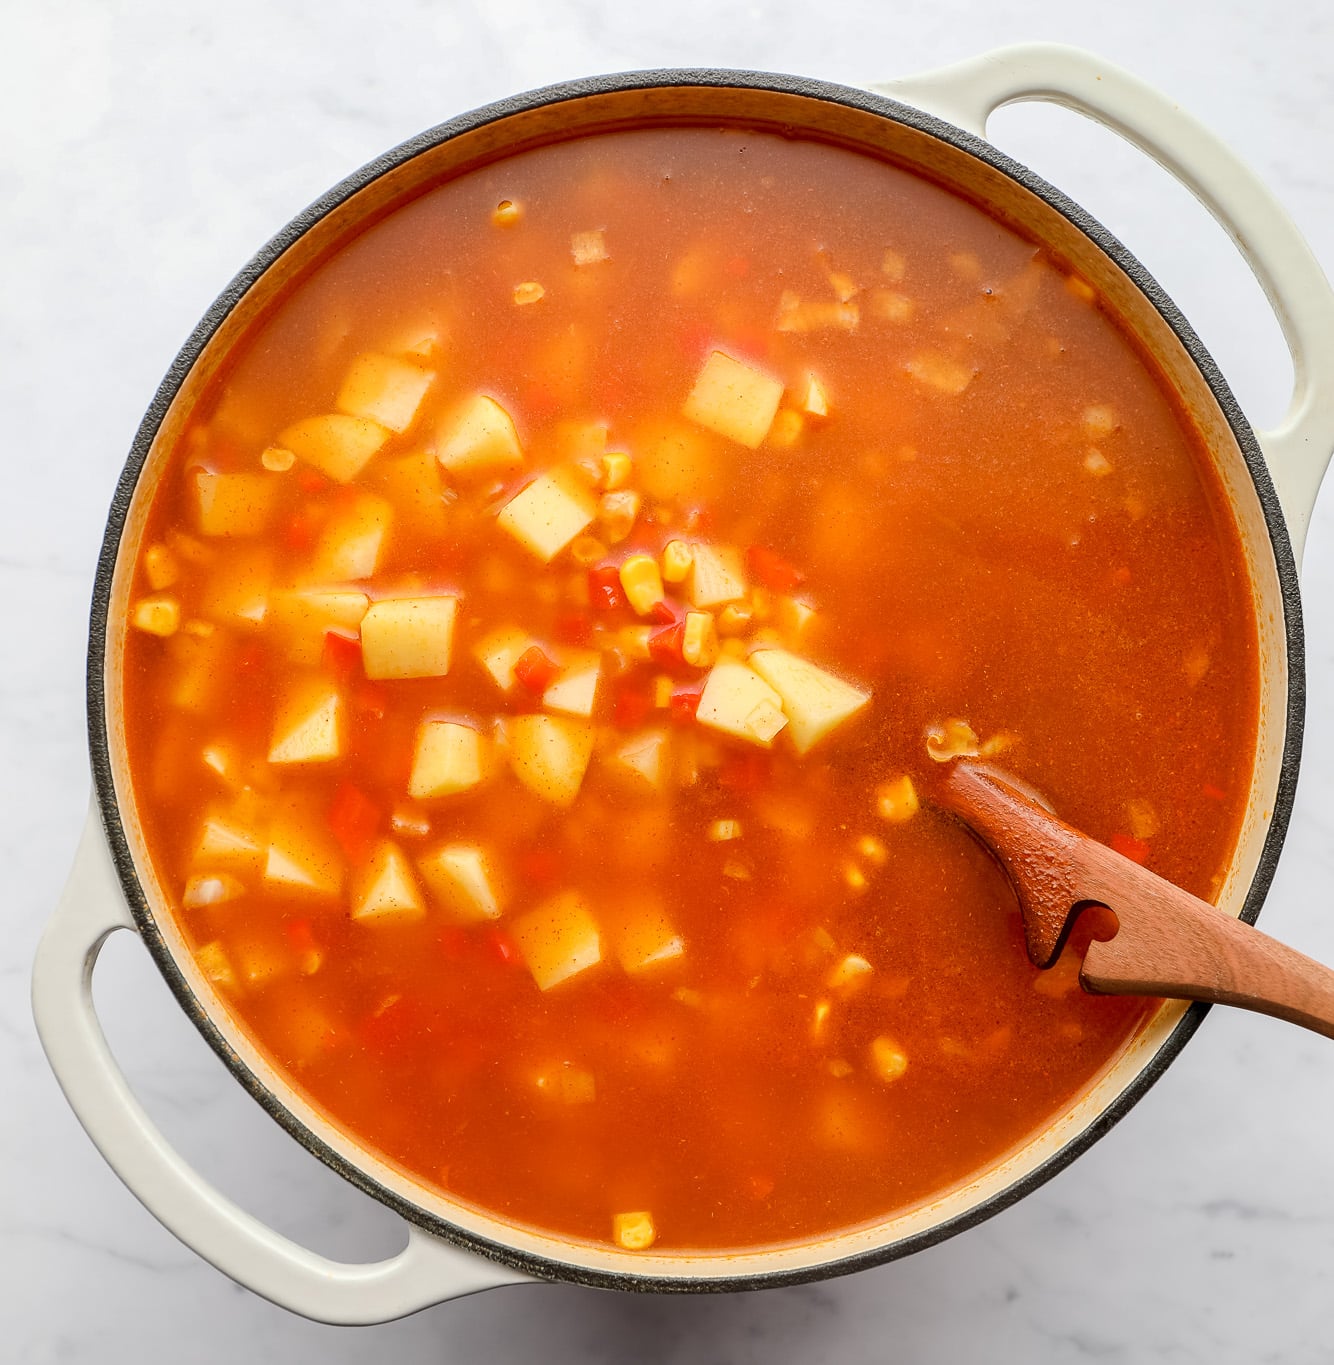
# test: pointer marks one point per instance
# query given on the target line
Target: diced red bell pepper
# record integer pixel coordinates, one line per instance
(630, 706)
(667, 647)
(771, 569)
(342, 653)
(535, 671)
(1137, 850)
(683, 706)
(502, 947)
(574, 628)
(354, 820)
(604, 588)
(662, 612)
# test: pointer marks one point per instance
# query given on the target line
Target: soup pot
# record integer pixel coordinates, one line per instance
(934, 123)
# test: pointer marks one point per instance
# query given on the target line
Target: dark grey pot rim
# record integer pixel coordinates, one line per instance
(100, 744)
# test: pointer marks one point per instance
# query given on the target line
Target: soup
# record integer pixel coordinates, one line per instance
(546, 629)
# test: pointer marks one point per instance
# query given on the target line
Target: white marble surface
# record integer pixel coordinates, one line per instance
(148, 148)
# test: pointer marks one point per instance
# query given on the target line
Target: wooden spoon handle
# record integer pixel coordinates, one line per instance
(1188, 950)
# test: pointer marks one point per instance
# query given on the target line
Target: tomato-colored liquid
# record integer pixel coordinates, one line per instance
(1001, 518)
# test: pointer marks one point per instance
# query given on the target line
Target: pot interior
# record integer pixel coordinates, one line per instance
(851, 119)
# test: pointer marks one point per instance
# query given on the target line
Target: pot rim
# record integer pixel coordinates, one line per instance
(540, 1266)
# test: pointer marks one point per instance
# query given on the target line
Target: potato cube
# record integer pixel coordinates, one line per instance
(794, 618)
(233, 504)
(338, 445)
(260, 960)
(215, 888)
(644, 939)
(213, 961)
(588, 248)
(478, 440)
(717, 575)
(559, 939)
(550, 754)
(301, 858)
(412, 483)
(301, 617)
(309, 724)
(159, 616)
(848, 974)
(738, 702)
(227, 842)
(575, 691)
(734, 400)
(633, 1231)
(385, 390)
(896, 801)
(814, 399)
(938, 372)
(386, 891)
(408, 637)
(161, 567)
(448, 758)
(499, 651)
(888, 1060)
(352, 541)
(236, 591)
(547, 515)
(463, 878)
(642, 762)
(814, 701)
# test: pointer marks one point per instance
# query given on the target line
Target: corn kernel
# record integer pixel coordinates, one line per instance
(633, 1231)
(953, 739)
(873, 850)
(157, 615)
(528, 292)
(506, 213)
(617, 512)
(896, 801)
(888, 1059)
(735, 618)
(615, 470)
(587, 550)
(722, 831)
(276, 459)
(662, 691)
(642, 582)
(160, 567)
(677, 558)
(700, 645)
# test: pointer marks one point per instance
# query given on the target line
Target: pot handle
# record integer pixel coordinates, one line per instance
(967, 94)
(427, 1271)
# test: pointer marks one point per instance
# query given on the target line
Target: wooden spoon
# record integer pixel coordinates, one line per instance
(1167, 942)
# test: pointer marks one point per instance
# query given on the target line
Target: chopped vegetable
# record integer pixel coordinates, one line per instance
(463, 878)
(559, 940)
(633, 1231)
(644, 938)
(848, 974)
(677, 557)
(161, 567)
(737, 701)
(409, 637)
(716, 577)
(309, 723)
(156, 615)
(734, 400)
(353, 539)
(211, 890)
(233, 504)
(953, 739)
(642, 583)
(889, 1062)
(448, 758)
(338, 445)
(549, 755)
(384, 389)
(500, 651)
(815, 702)
(938, 372)
(642, 762)
(386, 891)
(574, 691)
(478, 440)
(699, 639)
(547, 515)
(588, 248)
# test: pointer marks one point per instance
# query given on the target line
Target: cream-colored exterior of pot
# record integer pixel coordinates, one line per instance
(482, 1251)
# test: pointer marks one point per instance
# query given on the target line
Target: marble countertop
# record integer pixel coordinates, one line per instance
(148, 149)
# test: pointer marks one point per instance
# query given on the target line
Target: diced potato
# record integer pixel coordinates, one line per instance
(676, 462)
(507, 213)
(1099, 421)
(161, 567)
(385, 390)
(735, 619)
(734, 400)
(233, 504)
(817, 315)
(642, 762)
(303, 615)
(214, 963)
(643, 937)
(888, 1060)
(549, 755)
(301, 858)
(412, 484)
(478, 440)
(463, 878)
(642, 581)
(309, 723)
(338, 445)
(873, 850)
(633, 1231)
(723, 831)
(353, 539)
(559, 940)
(894, 266)
(211, 889)
(941, 373)
(386, 891)
(738, 702)
(616, 469)
(547, 515)
(237, 591)
(896, 801)
(227, 842)
(499, 651)
(794, 618)
(617, 512)
(1096, 463)
(260, 960)
(588, 248)
(848, 974)
(814, 701)
(159, 616)
(568, 1084)
(717, 576)
(448, 758)
(1143, 818)
(891, 306)
(814, 399)
(575, 692)
(408, 637)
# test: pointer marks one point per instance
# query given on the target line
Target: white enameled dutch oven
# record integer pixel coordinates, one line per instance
(935, 122)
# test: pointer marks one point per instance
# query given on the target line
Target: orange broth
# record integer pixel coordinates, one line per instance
(626, 975)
